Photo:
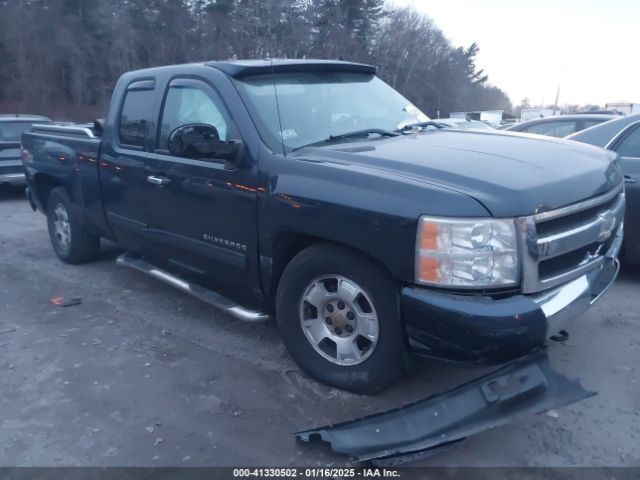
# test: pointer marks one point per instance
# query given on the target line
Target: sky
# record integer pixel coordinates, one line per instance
(588, 47)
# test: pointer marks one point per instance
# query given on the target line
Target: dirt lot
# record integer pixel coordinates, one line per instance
(140, 374)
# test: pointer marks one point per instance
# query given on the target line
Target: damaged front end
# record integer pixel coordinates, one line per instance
(524, 387)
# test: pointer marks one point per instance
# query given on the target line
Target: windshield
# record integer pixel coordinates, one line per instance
(315, 106)
(12, 131)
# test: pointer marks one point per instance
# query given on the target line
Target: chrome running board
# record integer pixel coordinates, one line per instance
(209, 296)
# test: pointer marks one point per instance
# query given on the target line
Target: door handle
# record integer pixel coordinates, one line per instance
(630, 179)
(158, 180)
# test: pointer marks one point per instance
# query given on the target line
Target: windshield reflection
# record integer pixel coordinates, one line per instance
(315, 106)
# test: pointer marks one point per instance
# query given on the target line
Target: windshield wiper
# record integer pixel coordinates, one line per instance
(360, 133)
(419, 125)
(354, 134)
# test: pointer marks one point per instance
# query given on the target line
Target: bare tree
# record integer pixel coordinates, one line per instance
(62, 57)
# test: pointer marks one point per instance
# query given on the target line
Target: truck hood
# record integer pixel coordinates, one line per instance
(510, 174)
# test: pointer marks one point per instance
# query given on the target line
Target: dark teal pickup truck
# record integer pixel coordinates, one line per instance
(313, 192)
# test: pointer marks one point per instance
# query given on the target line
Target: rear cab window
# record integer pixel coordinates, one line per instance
(136, 113)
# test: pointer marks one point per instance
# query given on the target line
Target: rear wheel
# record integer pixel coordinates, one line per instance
(338, 316)
(71, 240)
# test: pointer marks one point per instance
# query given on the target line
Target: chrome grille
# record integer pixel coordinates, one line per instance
(560, 245)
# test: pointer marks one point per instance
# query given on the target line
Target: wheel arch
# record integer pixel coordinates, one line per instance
(287, 245)
(324, 258)
(44, 184)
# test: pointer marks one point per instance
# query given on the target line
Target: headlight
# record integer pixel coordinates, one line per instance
(467, 253)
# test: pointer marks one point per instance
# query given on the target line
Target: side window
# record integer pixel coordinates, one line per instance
(590, 123)
(630, 145)
(190, 104)
(553, 129)
(134, 117)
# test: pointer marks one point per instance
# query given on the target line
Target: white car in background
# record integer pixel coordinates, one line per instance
(463, 123)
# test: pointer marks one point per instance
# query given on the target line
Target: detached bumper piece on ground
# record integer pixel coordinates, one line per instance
(521, 388)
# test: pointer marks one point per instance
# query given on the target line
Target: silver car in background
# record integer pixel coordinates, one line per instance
(622, 135)
(463, 123)
(560, 125)
(11, 128)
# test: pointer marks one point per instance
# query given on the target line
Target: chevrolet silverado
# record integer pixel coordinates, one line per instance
(313, 192)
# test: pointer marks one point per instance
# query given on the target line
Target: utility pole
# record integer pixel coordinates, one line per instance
(555, 105)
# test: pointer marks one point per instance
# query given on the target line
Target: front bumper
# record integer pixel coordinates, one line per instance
(17, 179)
(12, 172)
(411, 432)
(482, 329)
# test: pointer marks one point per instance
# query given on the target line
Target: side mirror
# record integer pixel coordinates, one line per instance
(98, 126)
(202, 141)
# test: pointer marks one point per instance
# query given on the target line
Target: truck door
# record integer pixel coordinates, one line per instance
(202, 217)
(122, 167)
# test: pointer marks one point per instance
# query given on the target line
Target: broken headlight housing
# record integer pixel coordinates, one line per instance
(467, 253)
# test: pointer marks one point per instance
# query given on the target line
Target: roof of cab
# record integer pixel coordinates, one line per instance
(241, 68)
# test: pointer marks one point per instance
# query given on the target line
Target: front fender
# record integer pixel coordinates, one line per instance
(373, 212)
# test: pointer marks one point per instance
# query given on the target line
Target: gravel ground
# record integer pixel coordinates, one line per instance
(139, 374)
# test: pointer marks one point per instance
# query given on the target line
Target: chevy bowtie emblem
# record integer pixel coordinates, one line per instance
(607, 224)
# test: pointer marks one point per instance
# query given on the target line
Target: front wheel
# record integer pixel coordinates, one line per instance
(71, 240)
(338, 315)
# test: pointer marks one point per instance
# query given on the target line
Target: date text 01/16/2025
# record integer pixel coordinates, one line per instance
(315, 473)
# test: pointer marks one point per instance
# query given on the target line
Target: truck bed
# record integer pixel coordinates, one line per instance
(67, 155)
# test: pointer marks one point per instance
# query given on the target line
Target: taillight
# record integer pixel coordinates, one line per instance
(26, 156)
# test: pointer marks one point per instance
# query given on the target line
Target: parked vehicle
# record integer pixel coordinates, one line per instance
(598, 112)
(464, 124)
(527, 114)
(314, 191)
(602, 134)
(560, 126)
(11, 128)
(492, 118)
(624, 108)
(623, 137)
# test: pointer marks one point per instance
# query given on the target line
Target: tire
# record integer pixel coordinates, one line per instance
(306, 294)
(71, 240)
